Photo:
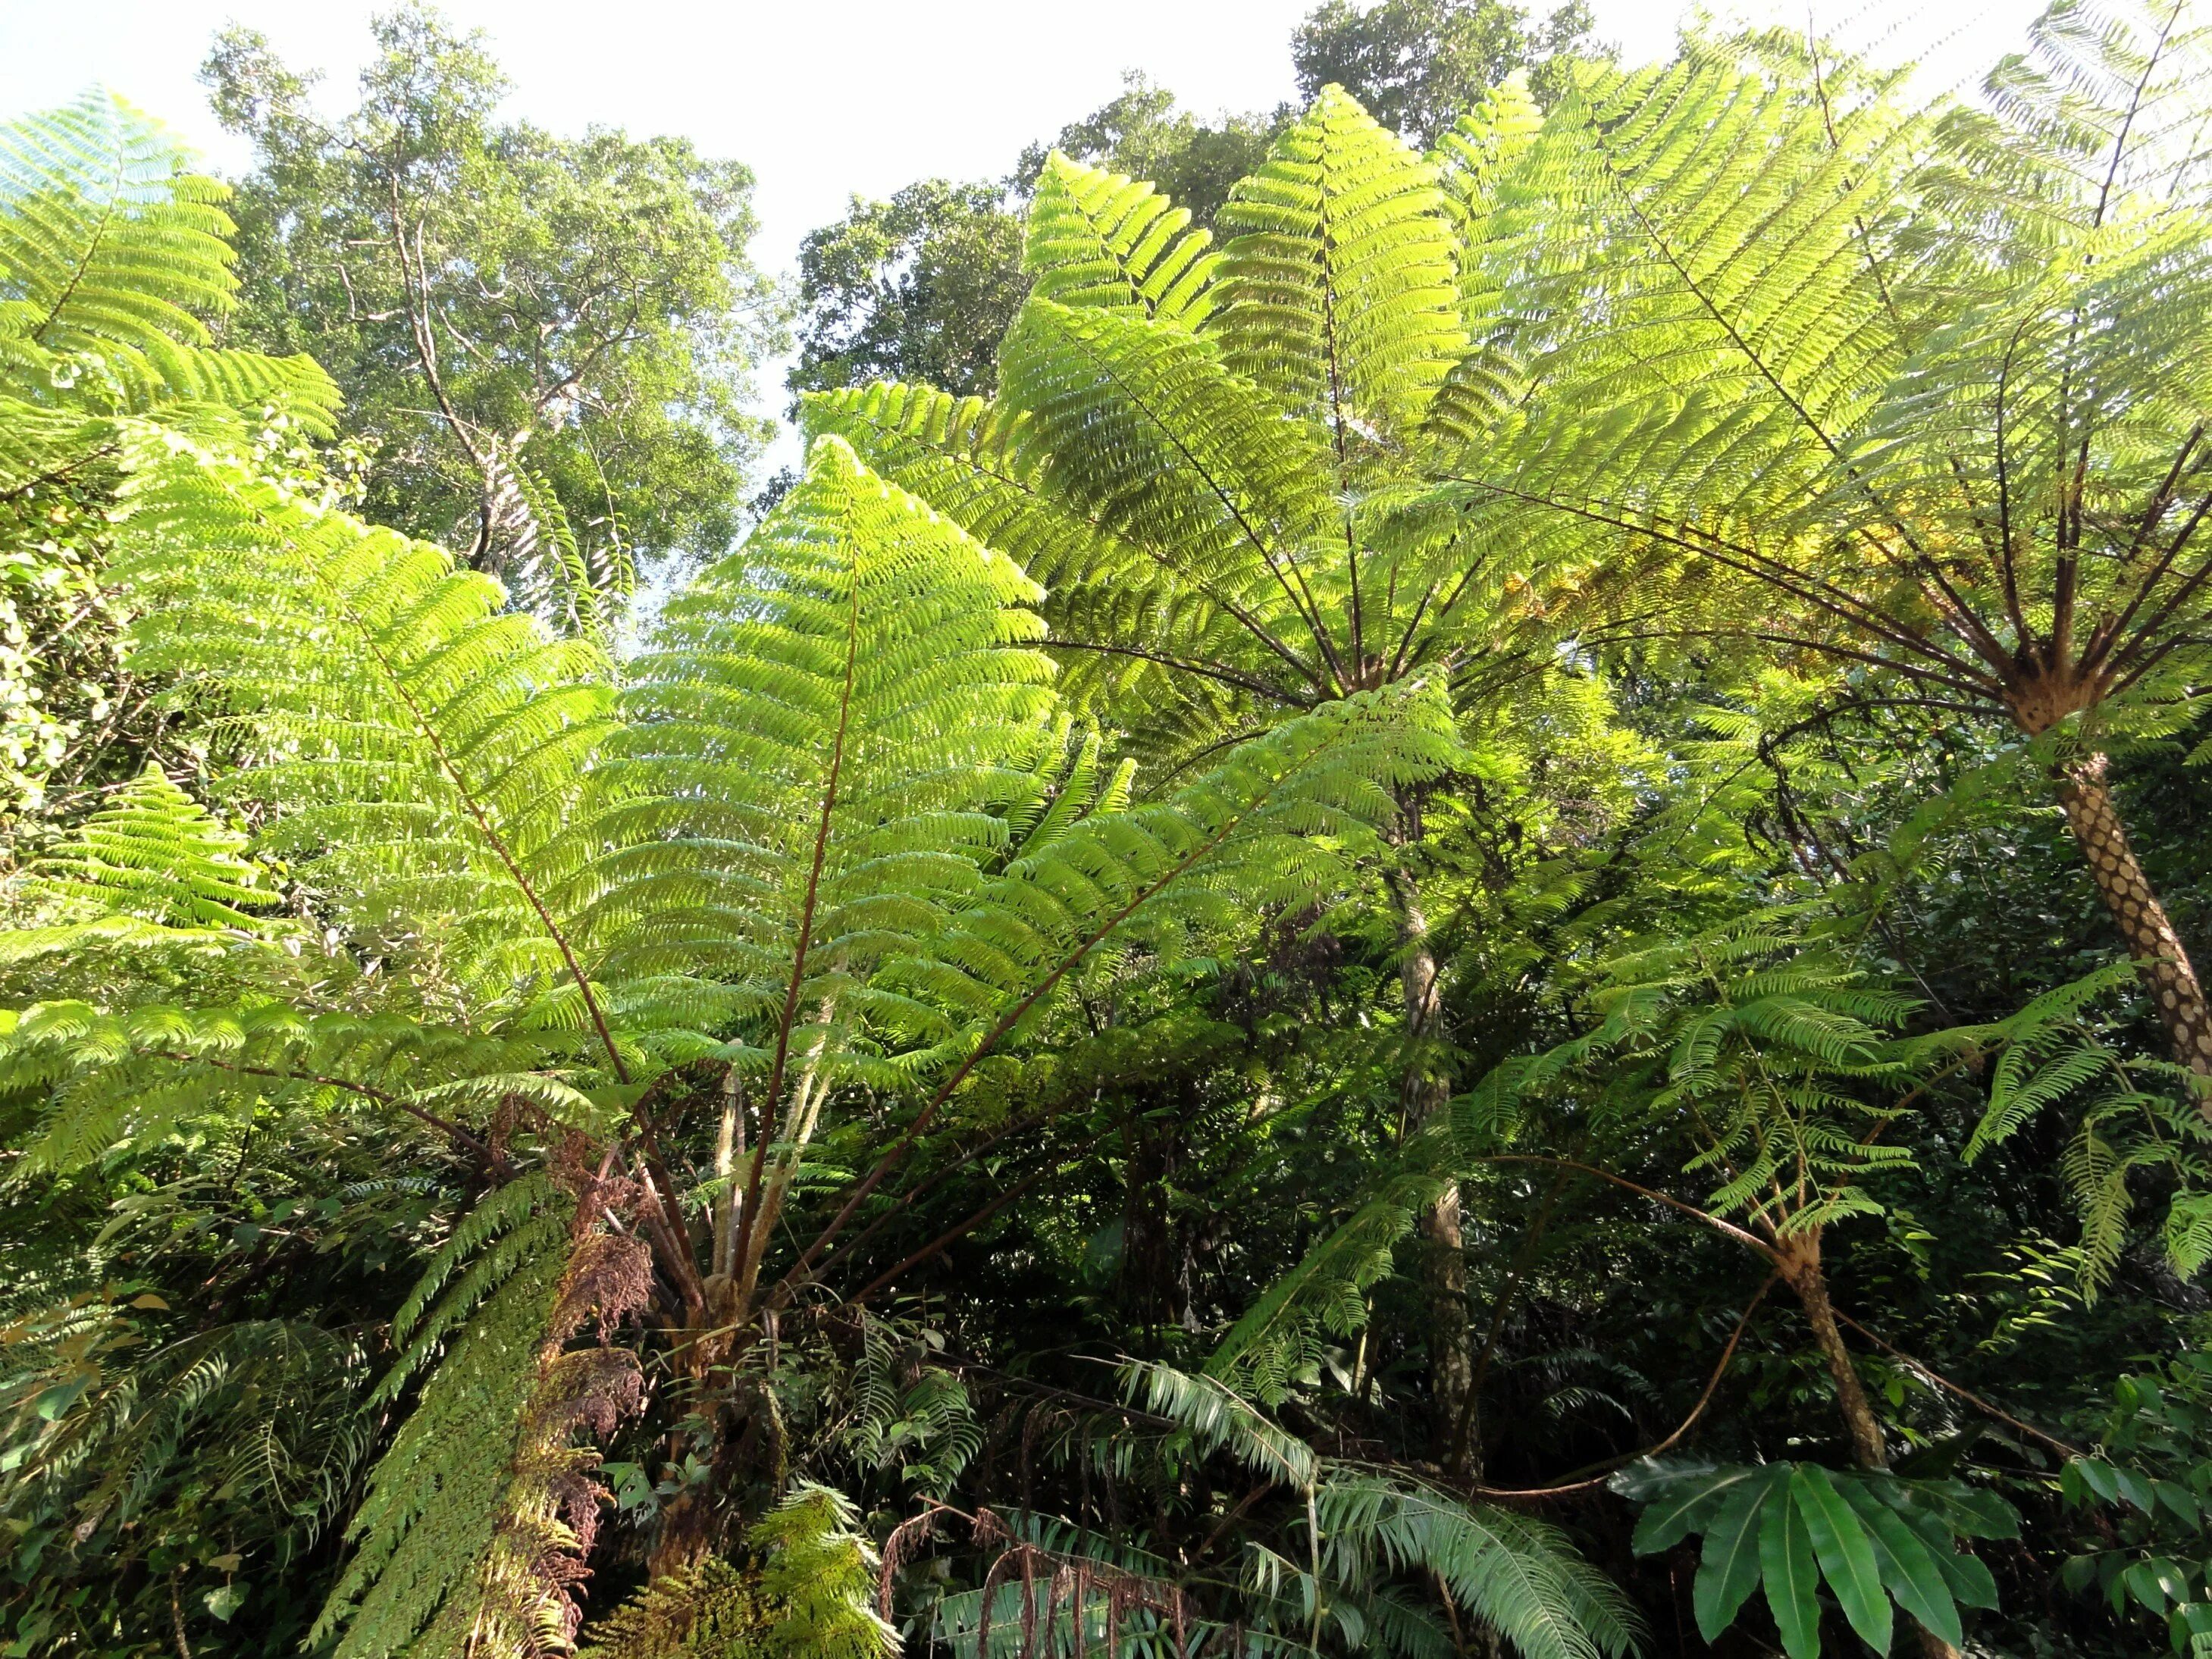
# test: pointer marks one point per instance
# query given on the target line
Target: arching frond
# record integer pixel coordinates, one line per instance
(423, 748)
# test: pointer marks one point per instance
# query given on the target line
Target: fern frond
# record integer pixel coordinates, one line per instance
(1338, 290)
(1095, 238)
(112, 254)
(424, 748)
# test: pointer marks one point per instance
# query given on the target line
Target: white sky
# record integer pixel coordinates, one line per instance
(824, 101)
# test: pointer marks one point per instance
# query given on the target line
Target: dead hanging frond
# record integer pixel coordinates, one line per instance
(1065, 1603)
(536, 1560)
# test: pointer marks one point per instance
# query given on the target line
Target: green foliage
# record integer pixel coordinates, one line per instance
(114, 260)
(115, 256)
(1053, 872)
(422, 1577)
(227, 1448)
(2144, 1494)
(1218, 491)
(1517, 1577)
(1098, 238)
(1873, 1539)
(917, 288)
(808, 1594)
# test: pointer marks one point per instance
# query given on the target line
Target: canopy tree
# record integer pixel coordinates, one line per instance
(1419, 65)
(922, 287)
(546, 341)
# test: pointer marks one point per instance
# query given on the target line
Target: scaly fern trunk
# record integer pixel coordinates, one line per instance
(2135, 911)
(1423, 1094)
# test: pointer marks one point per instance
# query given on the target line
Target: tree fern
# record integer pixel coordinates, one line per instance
(1184, 495)
(1911, 380)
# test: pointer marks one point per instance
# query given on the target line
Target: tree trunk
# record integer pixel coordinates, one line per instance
(2135, 911)
(1422, 1095)
(1801, 1266)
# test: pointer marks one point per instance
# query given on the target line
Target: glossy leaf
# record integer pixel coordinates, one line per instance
(1792, 1573)
(1729, 1570)
(1845, 1554)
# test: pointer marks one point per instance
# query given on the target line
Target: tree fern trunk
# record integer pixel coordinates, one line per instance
(1422, 1095)
(2141, 920)
(1801, 1265)
(1802, 1259)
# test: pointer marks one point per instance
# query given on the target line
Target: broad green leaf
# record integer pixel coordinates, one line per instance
(2137, 1490)
(1971, 1586)
(1846, 1556)
(2100, 1477)
(1729, 1570)
(1684, 1506)
(1906, 1567)
(1792, 1575)
(2145, 1583)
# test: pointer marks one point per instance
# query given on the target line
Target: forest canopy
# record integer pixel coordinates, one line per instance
(1432, 891)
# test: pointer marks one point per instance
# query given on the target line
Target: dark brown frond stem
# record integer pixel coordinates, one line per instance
(1751, 354)
(1726, 1229)
(2164, 496)
(1211, 671)
(2135, 108)
(2064, 1448)
(1749, 562)
(2153, 625)
(1696, 1410)
(2007, 564)
(907, 1199)
(952, 1235)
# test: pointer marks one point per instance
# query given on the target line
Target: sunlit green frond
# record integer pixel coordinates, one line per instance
(1338, 289)
(811, 749)
(112, 254)
(1325, 1295)
(154, 852)
(422, 748)
(1097, 239)
(1217, 1419)
(1280, 821)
